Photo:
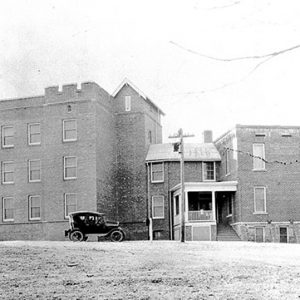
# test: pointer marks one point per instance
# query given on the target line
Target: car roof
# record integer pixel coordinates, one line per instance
(75, 213)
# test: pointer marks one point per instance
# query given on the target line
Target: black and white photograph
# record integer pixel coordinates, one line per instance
(149, 149)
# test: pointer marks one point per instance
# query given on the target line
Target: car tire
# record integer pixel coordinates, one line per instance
(117, 236)
(76, 236)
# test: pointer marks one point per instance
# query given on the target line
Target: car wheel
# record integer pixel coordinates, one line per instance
(117, 236)
(76, 236)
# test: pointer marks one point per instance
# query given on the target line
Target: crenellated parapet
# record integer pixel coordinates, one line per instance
(71, 92)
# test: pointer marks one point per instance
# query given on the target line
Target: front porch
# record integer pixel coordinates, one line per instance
(206, 205)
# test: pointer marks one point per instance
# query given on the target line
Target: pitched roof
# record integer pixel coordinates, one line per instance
(192, 152)
(126, 81)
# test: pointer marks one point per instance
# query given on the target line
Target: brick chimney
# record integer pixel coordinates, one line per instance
(207, 136)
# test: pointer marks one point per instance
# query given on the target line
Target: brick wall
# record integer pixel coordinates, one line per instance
(132, 141)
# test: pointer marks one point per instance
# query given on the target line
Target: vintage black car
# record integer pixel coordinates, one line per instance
(84, 223)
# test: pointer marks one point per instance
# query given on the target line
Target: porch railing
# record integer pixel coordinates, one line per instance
(200, 215)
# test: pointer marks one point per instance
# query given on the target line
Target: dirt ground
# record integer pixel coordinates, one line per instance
(149, 270)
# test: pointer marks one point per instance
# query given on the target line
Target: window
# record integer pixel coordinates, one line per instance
(157, 172)
(34, 170)
(259, 234)
(34, 207)
(70, 203)
(227, 163)
(7, 172)
(69, 130)
(158, 207)
(127, 103)
(177, 205)
(70, 167)
(8, 209)
(259, 200)
(209, 171)
(7, 136)
(259, 153)
(34, 134)
(283, 234)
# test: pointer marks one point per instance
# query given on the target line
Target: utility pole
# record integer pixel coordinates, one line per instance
(180, 148)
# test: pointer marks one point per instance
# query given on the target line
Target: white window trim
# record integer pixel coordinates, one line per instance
(66, 194)
(3, 210)
(163, 173)
(2, 172)
(203, 173)
(69, 140)
(163, 205)
(29, 205)
(65, 158)
(127, 103)
(2, 136)
(29, 169)
(29, 134)
(264, 157)
(264, 233)
(265, 200)
(227, 163)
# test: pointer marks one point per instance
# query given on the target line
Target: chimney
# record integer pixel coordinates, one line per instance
(207, 136)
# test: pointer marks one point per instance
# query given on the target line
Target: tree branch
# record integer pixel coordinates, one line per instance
(273, 54)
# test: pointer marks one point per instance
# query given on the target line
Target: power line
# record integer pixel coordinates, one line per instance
(263, 159)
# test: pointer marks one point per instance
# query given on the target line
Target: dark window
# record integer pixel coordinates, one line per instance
(283, 234)
(177, 205)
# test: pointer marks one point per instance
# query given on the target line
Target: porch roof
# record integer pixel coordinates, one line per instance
(215, 186)
(192, 152)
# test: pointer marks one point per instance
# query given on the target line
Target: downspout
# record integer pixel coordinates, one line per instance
(170, 206)
(149, 204)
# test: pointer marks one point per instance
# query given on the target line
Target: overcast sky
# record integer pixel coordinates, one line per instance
(166, 48)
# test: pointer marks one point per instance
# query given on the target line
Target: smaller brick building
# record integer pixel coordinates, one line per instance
(205, 194)
(265, 161)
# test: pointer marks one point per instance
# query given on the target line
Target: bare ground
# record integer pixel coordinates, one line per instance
(149, 270)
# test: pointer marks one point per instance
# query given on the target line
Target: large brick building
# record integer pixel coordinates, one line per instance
(247, 180)
(84, 149)
(75, 149)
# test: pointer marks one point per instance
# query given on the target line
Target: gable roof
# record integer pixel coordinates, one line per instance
(126, 81)
(192, 152)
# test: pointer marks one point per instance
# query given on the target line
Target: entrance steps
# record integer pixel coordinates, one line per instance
(225, 233)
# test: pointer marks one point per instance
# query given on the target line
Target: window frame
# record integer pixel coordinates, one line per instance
(204, 171)
(3, 136)
(3, 209)
(227, 163)
(76, 165)
(65, 140)
(162, 171)
(29, 134)
(30, 207)
(3, 172)
(29, 169)
(65, 203)
(265, 200)
(263, 168)
(128, 103)
(163, 207)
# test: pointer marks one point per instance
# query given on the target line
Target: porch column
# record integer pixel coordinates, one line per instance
(186, 206)
(214, 205)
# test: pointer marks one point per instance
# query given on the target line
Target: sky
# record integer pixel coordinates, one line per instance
(182, 54)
